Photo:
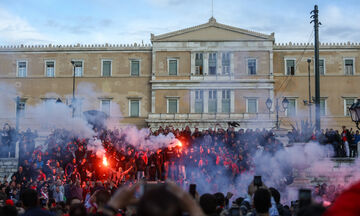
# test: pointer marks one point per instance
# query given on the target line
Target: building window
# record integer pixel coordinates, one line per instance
(347, 104)
(50, 68)
(105, 106)
(172, 105)
(322, 107)
(225, 101)
(251, 66)
(20, 107)
(291, 110)
(135, 68)
(349, 67)
(199, 101)
(290, 66)
(212, 63)
(22, 68)
(212, 102)
(322, 66)
(225, 61)
(106, 68)
(173, 66)
(199, 64)
(251, 105)
(78, 68)
(134, 108)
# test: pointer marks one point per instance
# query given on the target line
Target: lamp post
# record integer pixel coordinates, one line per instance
(285, 104)
(268, 105)
(310, 101)
(73, 90)
(355, 113)
(17, 113)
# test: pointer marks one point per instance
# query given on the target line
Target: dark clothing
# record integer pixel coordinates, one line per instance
(19, 176)
(75, 192)
(37, 212)
(282, 211)
(67, 190)
(169, 155)
(140, 164)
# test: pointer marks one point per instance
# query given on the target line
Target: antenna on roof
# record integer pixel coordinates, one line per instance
(212, 8)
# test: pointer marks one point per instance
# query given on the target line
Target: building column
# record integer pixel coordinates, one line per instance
(192, 101)
(192, 63)
(271, 65)
(206, 63)
(219, 98)
(219, 63)
(153, 65)
(232, 101)
(206, 101)
(232, 65)
(153, 101)
(271, 70)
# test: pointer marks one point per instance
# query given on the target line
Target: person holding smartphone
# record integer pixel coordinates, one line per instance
(260, 197)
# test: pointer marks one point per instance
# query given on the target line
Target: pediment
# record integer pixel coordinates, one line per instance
(212, 31)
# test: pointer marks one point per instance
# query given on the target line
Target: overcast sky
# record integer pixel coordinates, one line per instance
(129, 21)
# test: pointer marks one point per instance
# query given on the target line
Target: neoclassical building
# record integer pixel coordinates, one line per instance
(199, 76)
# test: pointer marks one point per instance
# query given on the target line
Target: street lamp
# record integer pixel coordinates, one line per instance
(73, 90)
(268, 105)
(17, 113)
(355, 113)
(310, 103)
(285, 104)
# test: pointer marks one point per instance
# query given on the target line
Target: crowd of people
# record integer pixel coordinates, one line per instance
(345, 143)
(202, 155)
(8, 139)
(65, 172)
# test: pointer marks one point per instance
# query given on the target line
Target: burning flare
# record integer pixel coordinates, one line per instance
(105, 162)
(179, 143)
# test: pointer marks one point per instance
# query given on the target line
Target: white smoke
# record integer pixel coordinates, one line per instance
(51, 115)
(95, 145)
(142, 139)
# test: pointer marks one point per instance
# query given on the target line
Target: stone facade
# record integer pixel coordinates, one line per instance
(335, 85)
(201, 76)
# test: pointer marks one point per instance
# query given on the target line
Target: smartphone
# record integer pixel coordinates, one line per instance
(258, 181)
(304, 197)
(147, 186)
(192, 189)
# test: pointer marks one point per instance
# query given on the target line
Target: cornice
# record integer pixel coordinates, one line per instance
(310, 46)
(212, 23)
(75, 47)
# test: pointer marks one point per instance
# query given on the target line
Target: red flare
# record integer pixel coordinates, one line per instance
(179, 143)
(105, 162)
